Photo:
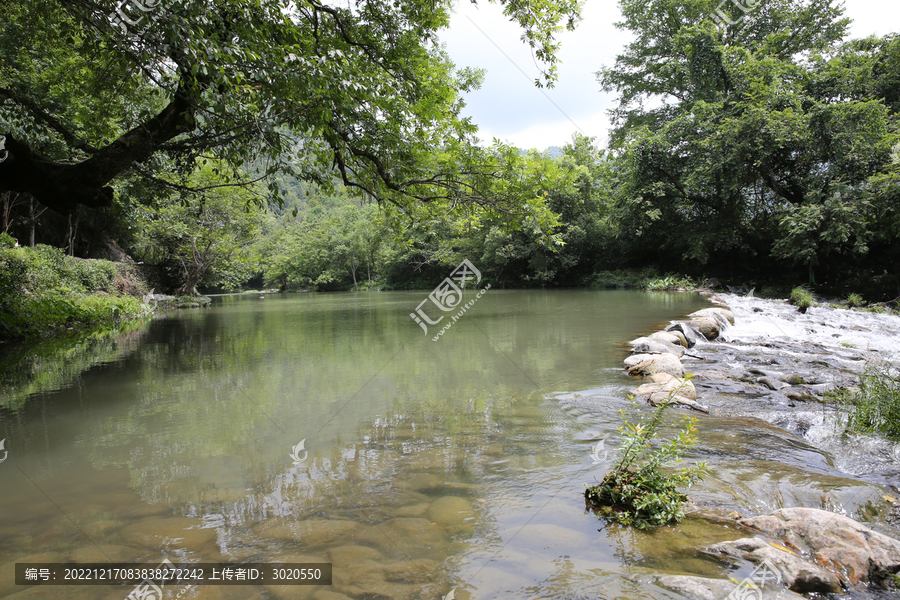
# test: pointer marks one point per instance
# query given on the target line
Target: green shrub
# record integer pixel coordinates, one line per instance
(854, 300)
(802, 298)
(637, 492)
(875, 408)
(42, 290)
(7, 241)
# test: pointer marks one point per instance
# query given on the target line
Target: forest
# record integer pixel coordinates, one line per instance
(266, 144)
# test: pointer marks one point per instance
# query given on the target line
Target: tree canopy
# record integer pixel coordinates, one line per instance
(92, 93)
(767, 139)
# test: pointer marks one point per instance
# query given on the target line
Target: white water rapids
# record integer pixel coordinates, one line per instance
(835, 344)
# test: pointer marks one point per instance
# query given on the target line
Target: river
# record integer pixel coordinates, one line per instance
(331, 428)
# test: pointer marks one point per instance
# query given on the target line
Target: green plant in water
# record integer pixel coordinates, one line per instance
(875, 408)
(854, 300)
(802, 298)
(638, 491)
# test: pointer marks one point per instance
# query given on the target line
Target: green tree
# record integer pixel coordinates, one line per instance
(363, 92)
(753, 146)
(206, 238)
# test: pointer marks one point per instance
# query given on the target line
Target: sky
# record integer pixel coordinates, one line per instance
(509, 107)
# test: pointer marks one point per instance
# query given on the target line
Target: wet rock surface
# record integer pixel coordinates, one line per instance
(763, 359)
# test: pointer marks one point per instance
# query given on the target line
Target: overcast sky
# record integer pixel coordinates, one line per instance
(509, 107)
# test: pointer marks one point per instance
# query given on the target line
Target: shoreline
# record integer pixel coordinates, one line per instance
(718, 362)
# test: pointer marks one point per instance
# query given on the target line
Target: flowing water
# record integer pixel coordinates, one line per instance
(425, 466)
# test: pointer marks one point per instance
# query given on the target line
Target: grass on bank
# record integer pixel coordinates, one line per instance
(638, 491)
(642, 279)
(43, 291)
(875, 406)
(802, 298)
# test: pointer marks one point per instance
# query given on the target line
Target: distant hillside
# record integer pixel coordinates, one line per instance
(555, 151)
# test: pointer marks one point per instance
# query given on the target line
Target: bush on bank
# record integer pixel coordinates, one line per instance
(43, 291)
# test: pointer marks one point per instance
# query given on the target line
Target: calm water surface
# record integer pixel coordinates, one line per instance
(427, 466)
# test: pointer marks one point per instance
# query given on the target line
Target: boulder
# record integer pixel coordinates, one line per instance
(707, 325)
(834, 541)
(666, 336)
(643, 345)
(658, 378)
(794, 571)
(772, 383)
(701, 588)
(723, 317)
(690, 335)
(681, 387)
(682, 341)
(648, 364)
(660, 397)
(816, 550)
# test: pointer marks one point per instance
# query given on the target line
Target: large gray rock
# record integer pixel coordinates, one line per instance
(691, 336)
(668, 337)
(797, 573)
(839, 549)
(701, 588)
(707, 325)
(648, 364)
(643, 345)
(682, 387)
(723, 315)
(660, 398)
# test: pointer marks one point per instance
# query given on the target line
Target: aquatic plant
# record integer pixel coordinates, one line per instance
(854, 300)
(638, 491)
(875, 407)
(802, 298)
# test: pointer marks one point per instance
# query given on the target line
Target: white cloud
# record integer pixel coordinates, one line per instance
(509, 107)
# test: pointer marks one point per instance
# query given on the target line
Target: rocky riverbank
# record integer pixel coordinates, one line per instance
(764, 359)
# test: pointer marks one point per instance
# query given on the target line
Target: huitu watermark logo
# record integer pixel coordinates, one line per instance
(4, 153)
(123, 20)
(2, 442)
(149, 589)
(447, 296)
(596, 450)
(723, 14)
(751, 587)
(295, 452)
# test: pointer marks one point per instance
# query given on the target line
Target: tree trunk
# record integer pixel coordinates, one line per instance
(62, 186)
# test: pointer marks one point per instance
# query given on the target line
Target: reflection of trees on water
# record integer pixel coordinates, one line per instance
(204, 411)
(56, 364)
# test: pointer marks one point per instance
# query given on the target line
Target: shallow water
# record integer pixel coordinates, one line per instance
(426, 466)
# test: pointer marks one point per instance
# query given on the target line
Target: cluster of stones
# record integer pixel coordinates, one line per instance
(657, 357)
(806, 550)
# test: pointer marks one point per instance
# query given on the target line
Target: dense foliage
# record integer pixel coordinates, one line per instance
(42, 290)
(875, 407)
(321, 147)
(762, 147)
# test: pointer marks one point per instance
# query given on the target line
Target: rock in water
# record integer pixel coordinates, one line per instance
(648, 364)
(846, 550)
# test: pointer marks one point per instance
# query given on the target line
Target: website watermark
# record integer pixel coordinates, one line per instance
(295, 452)
(723, 14)
(4, 153)
(126, 20)
(447, 296)
(596, 450)
(750, 588)
(2, 442)
(151, 588)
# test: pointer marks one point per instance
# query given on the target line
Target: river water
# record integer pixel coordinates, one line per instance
(330, 428)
